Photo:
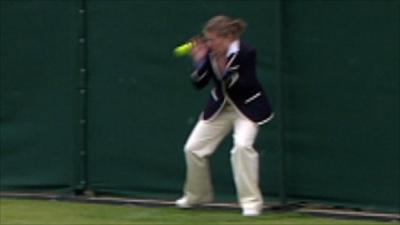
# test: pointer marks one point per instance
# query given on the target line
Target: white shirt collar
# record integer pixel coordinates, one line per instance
(233, 48)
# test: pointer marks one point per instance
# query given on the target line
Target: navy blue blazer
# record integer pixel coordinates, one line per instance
(238, 85)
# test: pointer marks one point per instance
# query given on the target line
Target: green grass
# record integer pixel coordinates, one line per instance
(38, 212)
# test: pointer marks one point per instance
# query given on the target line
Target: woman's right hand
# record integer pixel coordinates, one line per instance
(199, 51)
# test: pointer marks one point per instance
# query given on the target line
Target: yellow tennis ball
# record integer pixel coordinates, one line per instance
(183, 49)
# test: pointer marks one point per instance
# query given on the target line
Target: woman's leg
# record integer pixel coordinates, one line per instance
(245, 164)
(201, 143)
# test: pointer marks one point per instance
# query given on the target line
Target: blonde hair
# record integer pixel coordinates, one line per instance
(224, 26)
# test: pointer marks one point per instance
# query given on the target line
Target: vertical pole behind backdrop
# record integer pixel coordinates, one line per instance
(280, 103)
(83, 95)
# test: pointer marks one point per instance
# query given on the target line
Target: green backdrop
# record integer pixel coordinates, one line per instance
(39, 101)
(342, 101)
(92, 97)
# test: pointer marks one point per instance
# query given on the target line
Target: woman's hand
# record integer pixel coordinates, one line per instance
(199, 51)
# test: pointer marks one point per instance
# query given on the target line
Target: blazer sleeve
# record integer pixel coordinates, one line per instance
(202, 74)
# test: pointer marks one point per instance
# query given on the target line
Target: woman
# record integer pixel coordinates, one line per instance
(237, 102)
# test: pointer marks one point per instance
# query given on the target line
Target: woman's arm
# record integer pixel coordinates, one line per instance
(202, 74)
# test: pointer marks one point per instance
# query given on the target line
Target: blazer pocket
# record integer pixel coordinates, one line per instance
(252, 98)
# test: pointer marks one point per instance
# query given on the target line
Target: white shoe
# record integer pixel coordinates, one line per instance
(251, 212)
(183, 203)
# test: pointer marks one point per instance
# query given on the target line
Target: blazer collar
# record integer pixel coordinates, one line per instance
(234, 48)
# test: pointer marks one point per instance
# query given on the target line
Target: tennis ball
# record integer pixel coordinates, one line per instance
(183, 49)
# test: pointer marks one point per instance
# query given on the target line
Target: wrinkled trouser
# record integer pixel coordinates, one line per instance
(204, 140)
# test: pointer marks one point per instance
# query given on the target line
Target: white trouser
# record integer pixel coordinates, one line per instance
(204, 140)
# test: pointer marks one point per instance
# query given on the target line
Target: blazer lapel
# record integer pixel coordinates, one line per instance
(230, 60)
(230, 65)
